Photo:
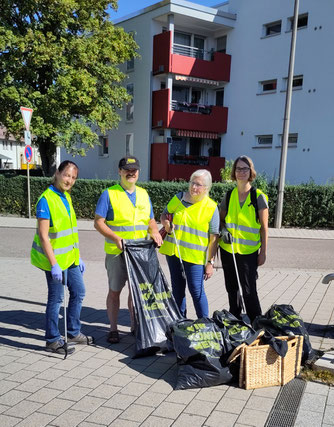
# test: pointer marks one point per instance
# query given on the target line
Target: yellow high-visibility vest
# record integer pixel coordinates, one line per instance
(242, 224)
(191, 226)
(130, 222)
(63, 235)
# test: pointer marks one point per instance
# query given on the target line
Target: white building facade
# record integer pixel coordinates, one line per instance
(210, 84)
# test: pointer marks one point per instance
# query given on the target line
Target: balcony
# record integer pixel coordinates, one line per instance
(188, 60)
(192, 117)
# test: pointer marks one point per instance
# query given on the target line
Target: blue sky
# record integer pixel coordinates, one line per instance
(129, 6)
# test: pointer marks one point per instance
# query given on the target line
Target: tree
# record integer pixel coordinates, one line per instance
(61, 58)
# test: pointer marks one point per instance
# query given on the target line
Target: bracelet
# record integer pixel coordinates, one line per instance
(211, 262)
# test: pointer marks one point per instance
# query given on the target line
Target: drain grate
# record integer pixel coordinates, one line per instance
(285, 408)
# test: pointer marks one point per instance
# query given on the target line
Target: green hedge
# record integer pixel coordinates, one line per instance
(306, 205)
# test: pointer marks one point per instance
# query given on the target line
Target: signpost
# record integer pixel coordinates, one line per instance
(26, 115)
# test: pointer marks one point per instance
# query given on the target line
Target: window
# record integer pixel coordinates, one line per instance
(188, 45)
(129, 144)
(129, 106)
(103, 147)
(220, 97)
(130, 64)
(301, 22)
(268, 86)
(273, 28)
(221, 44)
(264, 140)
(292, 140)
(297, 82)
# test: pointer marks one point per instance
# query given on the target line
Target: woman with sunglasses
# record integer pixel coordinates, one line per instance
(247, 226)
(193, 237)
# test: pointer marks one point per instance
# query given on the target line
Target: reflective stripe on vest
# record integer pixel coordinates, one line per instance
(191, 230)
(129, 222)
(63, 234)
(242, 224)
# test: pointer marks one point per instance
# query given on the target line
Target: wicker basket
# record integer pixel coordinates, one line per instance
(261, 366)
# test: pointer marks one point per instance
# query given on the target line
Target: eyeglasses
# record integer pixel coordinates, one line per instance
(195, 184)
(242, 169)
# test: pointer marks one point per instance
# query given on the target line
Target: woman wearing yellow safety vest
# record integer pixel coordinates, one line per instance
(196, 227)
(247, 226)
(55, 250)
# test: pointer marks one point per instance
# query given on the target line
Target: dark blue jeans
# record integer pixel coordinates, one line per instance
(195, 279)
(76, 289)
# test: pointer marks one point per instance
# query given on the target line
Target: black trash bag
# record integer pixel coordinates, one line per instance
(282, 319)
(238, 330)
(200, 345)
(155, 307)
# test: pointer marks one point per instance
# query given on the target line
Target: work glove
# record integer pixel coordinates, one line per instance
(56, 273)
(226, 236)
(82, 266)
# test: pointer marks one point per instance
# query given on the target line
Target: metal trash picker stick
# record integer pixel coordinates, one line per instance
(238, 279)
(178, 251)
(135, 313)
(65, 347)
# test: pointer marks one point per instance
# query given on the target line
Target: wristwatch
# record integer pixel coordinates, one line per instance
(211, 262)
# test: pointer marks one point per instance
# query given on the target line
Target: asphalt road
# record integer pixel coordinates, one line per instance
(306, 254)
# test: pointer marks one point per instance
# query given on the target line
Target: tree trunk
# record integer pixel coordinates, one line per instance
(47, 151)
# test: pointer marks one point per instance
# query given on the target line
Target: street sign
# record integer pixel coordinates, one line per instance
(28, 153)
(26, 114)
(27, 137)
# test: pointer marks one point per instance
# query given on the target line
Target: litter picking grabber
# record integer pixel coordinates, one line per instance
(65, 316)
(238, 279)
(130, 287)
(178, 251)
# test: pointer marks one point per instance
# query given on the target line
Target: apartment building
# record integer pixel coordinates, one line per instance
(210, 84)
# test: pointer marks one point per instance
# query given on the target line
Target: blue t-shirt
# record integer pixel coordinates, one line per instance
(42, 208)
(105, 209)
(214, 222)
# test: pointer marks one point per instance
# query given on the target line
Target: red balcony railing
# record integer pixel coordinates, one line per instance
(187, 61)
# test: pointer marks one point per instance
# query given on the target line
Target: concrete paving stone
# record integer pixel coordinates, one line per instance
(330, 399)
(160, 368)
(50, 374)
(6, 359)
(221, 419)
(124, 423)
(6, 385)
(32, 385)
(313, 402)
(264, 403)
(79, 372)
(21, 376)
(13, 367)
(267, 392)
(91, 382)
(119, 380)
(86, 424)
(182, 396)
(150, 399)
(67, 364)
(253, 417)
(238, 393)
(316, 388)
(162, 386)
(104, 416)
(105, 354)
(326, 425)
(233, 406)
(63, 383)
(329, 415)
(3, 408)
(23, 409)
(210, 394)
(135, 389)
(69, 418)
(200, 407)
(189, 420)
(120, 401)
(36, 420)
(132, 372)
(106, 371)
(137, 413)
(308, 418)
(4, 375)
(144, 379)
(41, 366)
(6, 421)
(75, 393)
(44, 395)
(93, 363)
(13, 397)
(88, 404)
(56, 406)
(30, 358)
(105, 391)
(81, 356)
(153, 421)
(169, 410)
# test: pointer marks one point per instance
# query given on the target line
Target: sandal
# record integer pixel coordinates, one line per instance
(113, 337)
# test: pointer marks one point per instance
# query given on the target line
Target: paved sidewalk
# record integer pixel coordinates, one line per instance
(102, 385)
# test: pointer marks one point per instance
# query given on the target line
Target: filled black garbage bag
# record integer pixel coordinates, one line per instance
(282, 319)
(200, 346)
(155, 307)
(238, 330)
